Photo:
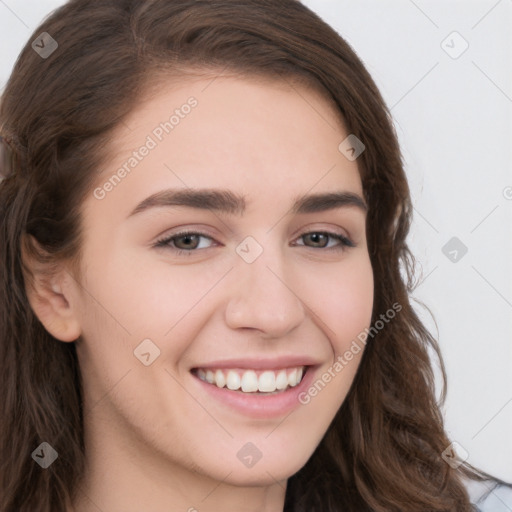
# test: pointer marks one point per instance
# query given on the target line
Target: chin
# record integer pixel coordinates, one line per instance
(261, 474)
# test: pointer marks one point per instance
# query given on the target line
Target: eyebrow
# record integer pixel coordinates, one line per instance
(225, 201)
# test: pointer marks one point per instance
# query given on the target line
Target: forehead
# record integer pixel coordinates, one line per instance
(254, 136)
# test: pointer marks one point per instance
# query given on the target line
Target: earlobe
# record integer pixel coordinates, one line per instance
(49, 302)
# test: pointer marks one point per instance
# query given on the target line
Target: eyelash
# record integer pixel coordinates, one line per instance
(165, 242)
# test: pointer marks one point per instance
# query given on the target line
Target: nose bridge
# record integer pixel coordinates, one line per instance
(263, 295)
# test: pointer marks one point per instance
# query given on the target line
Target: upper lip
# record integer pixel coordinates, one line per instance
(261, 363)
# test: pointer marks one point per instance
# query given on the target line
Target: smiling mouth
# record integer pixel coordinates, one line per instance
(261, 382)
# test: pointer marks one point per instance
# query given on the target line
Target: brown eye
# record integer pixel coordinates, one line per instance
(320, 240)
(184, 242)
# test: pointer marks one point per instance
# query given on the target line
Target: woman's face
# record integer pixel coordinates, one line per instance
(256, 293)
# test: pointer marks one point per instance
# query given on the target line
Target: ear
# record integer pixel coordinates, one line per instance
(49, 289)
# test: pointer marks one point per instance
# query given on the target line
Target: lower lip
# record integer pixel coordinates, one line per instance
(257, 405)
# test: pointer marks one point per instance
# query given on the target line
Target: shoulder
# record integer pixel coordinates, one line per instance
(490, 496)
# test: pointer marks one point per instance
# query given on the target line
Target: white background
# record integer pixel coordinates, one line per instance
(453, 117)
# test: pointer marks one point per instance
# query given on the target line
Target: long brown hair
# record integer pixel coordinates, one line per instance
(383, 449)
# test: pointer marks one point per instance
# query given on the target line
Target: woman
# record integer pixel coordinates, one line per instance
(203, 225)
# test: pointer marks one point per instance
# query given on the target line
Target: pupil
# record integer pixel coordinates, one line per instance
(187, 239)
(315, 237)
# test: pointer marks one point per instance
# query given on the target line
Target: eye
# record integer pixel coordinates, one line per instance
(183, 243)
(188, 242)
(320, 240)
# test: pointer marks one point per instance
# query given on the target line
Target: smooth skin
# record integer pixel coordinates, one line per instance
(155, 441)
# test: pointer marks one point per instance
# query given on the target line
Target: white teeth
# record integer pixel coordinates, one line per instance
(233, 380)
(220, 380)
(267, 382)
(292, 378)
(248, 381)
(282, 380)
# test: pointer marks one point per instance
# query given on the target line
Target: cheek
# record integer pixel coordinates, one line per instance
(342, 300)
(145, 294)
(344, 304)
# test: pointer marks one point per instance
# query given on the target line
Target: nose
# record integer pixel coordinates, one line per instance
(264, 296)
